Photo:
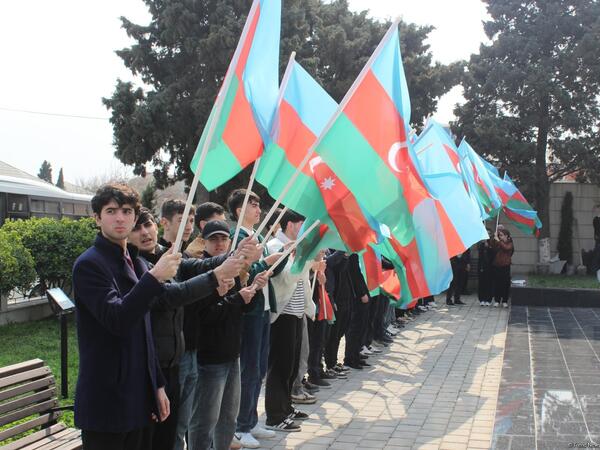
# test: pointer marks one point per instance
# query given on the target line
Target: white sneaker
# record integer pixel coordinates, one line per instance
(495, 304)
(482, 303)
(375, 349)
(433, 304)
(262, 433)
(392, 331)
(488, 303)
(366, 351)
(247, 440)
(422, 308)
(505, 305)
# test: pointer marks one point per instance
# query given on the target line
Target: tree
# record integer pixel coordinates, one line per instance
(148, 196)
(532, 94)
(183, 54)
(60, 182)
(45, 172)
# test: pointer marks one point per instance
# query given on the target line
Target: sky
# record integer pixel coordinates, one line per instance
(59, 58)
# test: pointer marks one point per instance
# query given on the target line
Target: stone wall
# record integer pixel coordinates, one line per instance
(585, 197)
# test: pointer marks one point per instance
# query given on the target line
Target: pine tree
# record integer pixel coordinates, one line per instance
(45, 172)
(60, 182)
(532, 94)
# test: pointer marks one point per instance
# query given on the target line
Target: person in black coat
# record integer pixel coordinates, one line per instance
(484, 271)
(120, 388)
(461, 265)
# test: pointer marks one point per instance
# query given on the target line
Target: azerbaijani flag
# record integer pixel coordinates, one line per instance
(476, 172)
(320, 238)
(370, 266)
(366, 146)
(317, 193)
(442, 173)
(243, 111)
(515, 206)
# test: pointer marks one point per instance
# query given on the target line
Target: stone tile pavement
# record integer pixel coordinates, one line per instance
(435, 387)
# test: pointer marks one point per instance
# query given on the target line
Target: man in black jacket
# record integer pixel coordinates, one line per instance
(120, 387)
(219, 344)
(203, 277)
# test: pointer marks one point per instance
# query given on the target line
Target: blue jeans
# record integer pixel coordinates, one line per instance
(218, 396)
(188, 380)
(254, 357)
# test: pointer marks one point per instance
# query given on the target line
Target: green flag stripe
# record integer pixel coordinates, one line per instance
(304, 196)
(361, 169)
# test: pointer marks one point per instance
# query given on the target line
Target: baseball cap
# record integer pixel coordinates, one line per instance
(215, 227)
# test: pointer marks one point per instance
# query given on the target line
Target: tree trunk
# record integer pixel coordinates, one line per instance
(542, 183)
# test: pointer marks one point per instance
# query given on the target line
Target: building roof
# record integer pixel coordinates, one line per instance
(16, 181)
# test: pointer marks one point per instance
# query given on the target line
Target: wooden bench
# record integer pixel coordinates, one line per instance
(28, 401)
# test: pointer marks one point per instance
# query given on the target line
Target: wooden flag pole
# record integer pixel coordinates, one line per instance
(212, 127)
(284, 81)
(272, 230)
(332, 120)
(238, 226)
(292, 247)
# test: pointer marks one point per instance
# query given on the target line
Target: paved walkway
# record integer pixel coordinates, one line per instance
(435, 388)
(550, 392)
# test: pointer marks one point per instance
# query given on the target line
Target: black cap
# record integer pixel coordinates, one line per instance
(215, 227)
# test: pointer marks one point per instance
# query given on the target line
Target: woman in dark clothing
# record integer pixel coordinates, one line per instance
(504, 248)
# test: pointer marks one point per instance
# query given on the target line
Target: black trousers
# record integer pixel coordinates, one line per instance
(382, 309)
(163, 433)
(459, 275)
(317, 331)
(284, 359)
(338, 329)
(140, 439)
(354, 335)
(501, 283)
(485, 290)
(375, 317)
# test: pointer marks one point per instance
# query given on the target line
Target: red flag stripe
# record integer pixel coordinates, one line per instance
(293, 136)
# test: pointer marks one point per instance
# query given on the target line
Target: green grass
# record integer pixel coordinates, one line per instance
(41, 339)
(563, 281)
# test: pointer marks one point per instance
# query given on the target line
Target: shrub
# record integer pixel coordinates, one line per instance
(54, 245)
(16, 264)
(565, 235)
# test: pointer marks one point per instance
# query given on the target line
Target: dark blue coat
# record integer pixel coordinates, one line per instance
(118, 369)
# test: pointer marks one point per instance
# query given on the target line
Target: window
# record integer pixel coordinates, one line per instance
(37, 205)
(17, 203)
(81, 209)
(51, 207)
(68, 208)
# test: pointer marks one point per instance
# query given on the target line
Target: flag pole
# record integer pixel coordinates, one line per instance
(211, 130)
(292, 247)
(272, 230)
(284, 82)
(335, 116)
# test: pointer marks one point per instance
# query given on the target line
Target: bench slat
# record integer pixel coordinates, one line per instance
(34, 437)
(55, 441)
(22, 427)
(32, 399)
(25, 412)
(24, 376)
(20, 367)
(32, 386)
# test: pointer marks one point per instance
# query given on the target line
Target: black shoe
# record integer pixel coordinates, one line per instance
(459, 302)
(320, 383)
(449, 303)
(354, 365)
(339, 369)
(285, 425)
(365, 364)
(326, 376)
(310, 386)
(298, 415)
(362, 357)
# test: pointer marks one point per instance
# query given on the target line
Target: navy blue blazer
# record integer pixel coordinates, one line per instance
(118, 368)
